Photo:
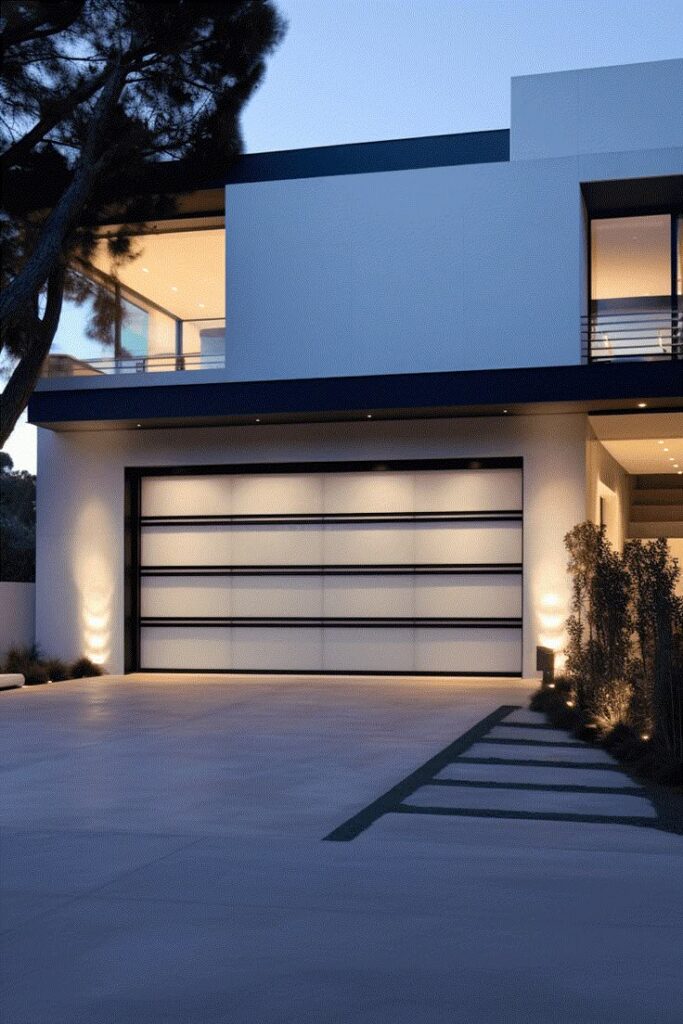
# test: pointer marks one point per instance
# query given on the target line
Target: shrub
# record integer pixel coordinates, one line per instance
(84, 667)
(658, 614)
(624, 679)
(34, 673)
(57, 670)
(18, 659)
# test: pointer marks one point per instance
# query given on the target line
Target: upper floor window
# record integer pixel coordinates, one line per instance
(635, 284)
(162, 307)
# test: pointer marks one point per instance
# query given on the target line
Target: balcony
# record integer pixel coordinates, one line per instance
(159, 307)
(643, 334)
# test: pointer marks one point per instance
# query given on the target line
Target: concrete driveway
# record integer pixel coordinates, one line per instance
(163, 860)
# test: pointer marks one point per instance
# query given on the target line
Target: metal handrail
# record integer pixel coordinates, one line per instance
(648, 334)
(63, 365)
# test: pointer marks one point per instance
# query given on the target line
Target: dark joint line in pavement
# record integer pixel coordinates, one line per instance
(393, 798)
(541, 787)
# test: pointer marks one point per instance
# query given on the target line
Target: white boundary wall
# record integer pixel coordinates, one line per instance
(17, 615)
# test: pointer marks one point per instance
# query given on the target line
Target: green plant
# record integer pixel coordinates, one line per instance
(57, 669)
(599, 626)
(83, 668)
(34, 673)
(658, 618)
(18, 659)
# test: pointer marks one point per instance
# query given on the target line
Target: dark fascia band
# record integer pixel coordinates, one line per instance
(392, 394)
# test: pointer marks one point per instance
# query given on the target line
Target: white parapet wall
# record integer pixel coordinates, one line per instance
(17, 615)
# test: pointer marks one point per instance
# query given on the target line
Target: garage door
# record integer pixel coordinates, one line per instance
(398, 568)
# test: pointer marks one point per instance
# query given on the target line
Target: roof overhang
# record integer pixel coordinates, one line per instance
(613, 387)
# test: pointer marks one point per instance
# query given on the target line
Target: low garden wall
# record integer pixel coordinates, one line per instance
(17, 615)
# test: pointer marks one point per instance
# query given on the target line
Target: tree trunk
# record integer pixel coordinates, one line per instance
(47, 253)
(14, 398)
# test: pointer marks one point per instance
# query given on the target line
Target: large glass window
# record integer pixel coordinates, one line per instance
(161, 308)
(632, 304)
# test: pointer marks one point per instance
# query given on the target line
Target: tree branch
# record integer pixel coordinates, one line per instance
(55, 112)
(63, 217)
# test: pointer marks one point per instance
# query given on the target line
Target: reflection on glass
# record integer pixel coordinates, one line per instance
(162, 309)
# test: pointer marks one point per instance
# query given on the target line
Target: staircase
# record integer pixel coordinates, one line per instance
(657, 506)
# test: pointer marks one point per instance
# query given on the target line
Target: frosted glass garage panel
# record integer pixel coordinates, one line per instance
(187, 647)
(368, 649)
(468, 543)
(186, 495)
(279, 596)
(263, 544)
(457, 596)
(281, 649)
(368, 544)
(468, 490)
(368, 596)
(186, 545)
(369, 492)
(170, 596)
(479, 651)
(277, 494)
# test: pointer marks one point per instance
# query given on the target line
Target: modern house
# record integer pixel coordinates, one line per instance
(353, 398)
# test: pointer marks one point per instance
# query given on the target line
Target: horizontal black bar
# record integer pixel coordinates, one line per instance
(531, 763)
(504, 515)
(533, 743)
(593, 819)
(393, 674)
(338, 466)
(541, 787)
(292, 622)
(392, 799)
(380, 569)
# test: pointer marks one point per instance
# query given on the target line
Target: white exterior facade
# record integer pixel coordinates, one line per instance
(475, 267)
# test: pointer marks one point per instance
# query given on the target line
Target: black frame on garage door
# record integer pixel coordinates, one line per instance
(135, 523)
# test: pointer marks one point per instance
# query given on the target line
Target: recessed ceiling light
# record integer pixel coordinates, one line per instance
(173, 288)
(671, 458)
(680, 472)
(660, 442)
(145, 270)
(258, 420)
(369, 416)
(202, 305)
(138, 424)
(666, 449)
(505, 411)
(642, 405)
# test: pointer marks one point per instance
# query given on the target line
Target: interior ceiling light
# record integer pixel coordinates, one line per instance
(145, 270)
(642, 405)
(660, 442)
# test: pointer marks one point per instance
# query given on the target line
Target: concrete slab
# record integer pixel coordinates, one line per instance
(520, 751)
(162, 861)
(536, 775)
(612, 804)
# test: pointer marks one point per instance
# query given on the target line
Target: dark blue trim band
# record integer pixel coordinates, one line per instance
(369, 157)
(393, 396)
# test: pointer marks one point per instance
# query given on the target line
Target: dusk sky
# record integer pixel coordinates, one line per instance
(361, 70)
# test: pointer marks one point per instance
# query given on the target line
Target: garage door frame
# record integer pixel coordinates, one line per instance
(134, 476)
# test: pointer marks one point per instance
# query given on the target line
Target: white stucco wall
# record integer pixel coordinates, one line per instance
(597, 110)
(17, 615)
(450, 268)
(81, 494)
